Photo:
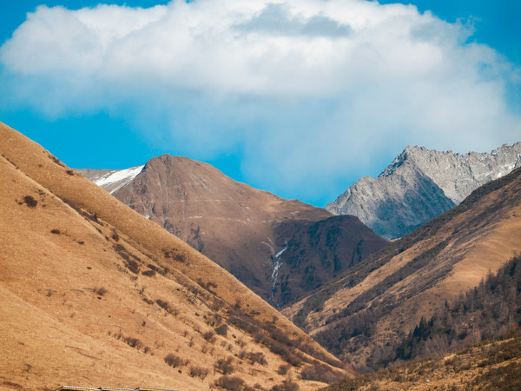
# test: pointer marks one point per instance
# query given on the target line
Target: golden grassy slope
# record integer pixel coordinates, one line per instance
(77, 308)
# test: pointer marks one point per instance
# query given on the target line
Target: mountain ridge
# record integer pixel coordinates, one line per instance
(242, 228)
(420, 184)
(360, 314)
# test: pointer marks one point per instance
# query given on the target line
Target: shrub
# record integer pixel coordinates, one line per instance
(283, 369)
(198, 372)
(131, 261)
(158, 269)
(55, 231)
(286, 385)
(69, 172)
(253, 357)
(180, 258)
(206, 285)
(30, 201)
(209, 336)
(275, 340)
(100, 291)
(91, 216)
(167, 307)
(231, 383)
(149, 273)
(280, 349)
(133, 342)
(163, 304)
(310, 350)
(224, 366)
(222, 330)
(55, 160)
(174, 361)
(241, 342)
(173, 254)
(320, 372)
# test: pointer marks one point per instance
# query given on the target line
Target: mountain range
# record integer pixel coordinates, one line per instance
(150, 276)
(365, 313)
(421, 184)
(281, 249)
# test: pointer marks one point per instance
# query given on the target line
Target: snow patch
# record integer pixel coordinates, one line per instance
(121, 177)
(277, 256)
(277, 262)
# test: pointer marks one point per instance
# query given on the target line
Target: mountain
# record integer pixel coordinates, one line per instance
(421, 184)
(489, 312)
(363, 314)
(92, 294)
(112, 180)
(260, 238)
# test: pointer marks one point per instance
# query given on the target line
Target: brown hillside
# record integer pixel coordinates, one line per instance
(243, 229)
(92, 293)
(489, 366)
(361, 315)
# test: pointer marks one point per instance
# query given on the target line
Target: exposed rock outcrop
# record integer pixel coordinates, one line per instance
(421, 184)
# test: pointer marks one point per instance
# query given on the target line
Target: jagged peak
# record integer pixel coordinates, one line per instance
(399, 160)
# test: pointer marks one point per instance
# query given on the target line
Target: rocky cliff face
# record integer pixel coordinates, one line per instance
(421, 184)
(251, 233)
(314, 252)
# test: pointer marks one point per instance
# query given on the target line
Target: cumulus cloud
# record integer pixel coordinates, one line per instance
(276, 20)
(310, 90)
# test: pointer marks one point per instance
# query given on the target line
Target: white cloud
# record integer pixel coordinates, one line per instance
(311, 89)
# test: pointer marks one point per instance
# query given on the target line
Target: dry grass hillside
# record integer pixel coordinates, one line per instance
(92, 293)
(361, 315)
(490, 366)
(245, 230)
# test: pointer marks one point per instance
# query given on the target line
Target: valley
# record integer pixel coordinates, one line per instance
(91, 276)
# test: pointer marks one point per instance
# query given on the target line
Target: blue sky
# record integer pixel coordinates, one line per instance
(303, 121)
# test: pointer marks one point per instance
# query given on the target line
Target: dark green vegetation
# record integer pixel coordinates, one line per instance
(318, 251)
(491, 310)
(486, 322)
(487, 366)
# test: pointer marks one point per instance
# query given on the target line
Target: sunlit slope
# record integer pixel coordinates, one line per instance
(94, 294)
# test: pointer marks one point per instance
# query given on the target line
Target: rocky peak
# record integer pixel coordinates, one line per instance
(420, 184)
